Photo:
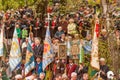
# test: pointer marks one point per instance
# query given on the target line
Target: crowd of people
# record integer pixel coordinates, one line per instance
(69, 29)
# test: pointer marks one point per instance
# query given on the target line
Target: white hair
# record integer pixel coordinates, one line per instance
(102, 59)
(42, 73)
(73, 74)
(18, 76)
(59, 27)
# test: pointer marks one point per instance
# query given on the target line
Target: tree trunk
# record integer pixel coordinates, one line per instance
(114, 51)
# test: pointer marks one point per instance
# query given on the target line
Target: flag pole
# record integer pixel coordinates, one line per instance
(48, 19)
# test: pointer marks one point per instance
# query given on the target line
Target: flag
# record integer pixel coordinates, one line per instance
(15, 53)
(68, 43)
(48, 50)
(1, 41)
(30, 62)
(87, 46)
(92, 72)
(48, 75)
(94, 54)
(81, 58)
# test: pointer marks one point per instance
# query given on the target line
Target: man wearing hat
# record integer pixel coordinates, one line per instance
(103, 68)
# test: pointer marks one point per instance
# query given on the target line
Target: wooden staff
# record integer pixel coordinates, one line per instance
(30, 28)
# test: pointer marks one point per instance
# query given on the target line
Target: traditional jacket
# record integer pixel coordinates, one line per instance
(38, 67)
(81, 72)
(59, 68)
(18, 32)
(105, 69)
(9, 32)
(64, 25)
(72, 29)
(70, 69)
(38, 50)
(37, 29)
(24, 33)
(58, 34)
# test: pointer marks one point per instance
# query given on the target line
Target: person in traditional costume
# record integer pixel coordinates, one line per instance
(104, 34)
(62, 38)
(59, 32)
(104, 69)
(63, 23)
(38, 65)
(56, 66)
(38, 49)
(82, 32)
(38, 27)
(72, 27)
(24, 34)
(80, 70)
(71, 67)
(59, 66)
(18, 29)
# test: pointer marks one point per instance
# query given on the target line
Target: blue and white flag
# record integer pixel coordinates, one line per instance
(48, 55)
(87, 46)
(1, 41)
(30, 62)
(15, 53)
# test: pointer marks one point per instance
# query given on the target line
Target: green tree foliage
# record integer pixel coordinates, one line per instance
(11, 4)
(15, 4)
(104, 51)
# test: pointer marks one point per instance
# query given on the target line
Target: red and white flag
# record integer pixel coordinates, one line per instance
(94, 54)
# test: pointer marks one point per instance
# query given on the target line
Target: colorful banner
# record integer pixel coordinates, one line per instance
(15, 53)
(30, 62)
(94, 54)
(48, 55)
